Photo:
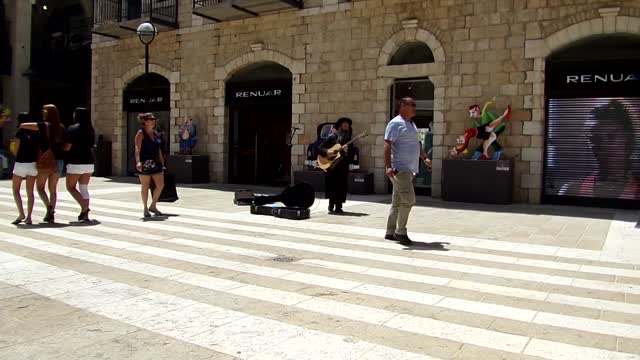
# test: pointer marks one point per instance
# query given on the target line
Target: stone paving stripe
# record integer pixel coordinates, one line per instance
(525, 249)
(451, 253)
(474, 269)
(614, 306)
(418, 262)
(548, 350)
(543, 264)
(589, 325)
(479, 287)
(378, 233)
(356, 312)
(346, 285)
(244, 336)
(131, 310)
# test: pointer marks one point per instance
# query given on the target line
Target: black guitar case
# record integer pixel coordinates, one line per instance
(297, 200)
(300, 195)
(284, 212)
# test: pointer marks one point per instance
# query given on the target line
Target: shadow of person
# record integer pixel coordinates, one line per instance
(429, 246)
(348, 213)
(85, 223)
(42, 225)
(162, 217)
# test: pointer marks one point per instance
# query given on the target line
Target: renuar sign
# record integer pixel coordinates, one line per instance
(267, 93)
(257, 93)
(603, 78)
(593, 78)
(142, 101)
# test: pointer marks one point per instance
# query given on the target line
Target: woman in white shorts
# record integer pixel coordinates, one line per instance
(79, 141)
(25, 168)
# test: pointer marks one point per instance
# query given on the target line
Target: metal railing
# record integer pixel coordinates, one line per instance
(116, 11)
(204, 3)
(201, 3)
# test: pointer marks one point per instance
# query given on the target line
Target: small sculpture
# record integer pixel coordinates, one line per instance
(5, 114)
(487, 126)
(188, 138)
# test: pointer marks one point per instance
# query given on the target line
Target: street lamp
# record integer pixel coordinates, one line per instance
(146, 32)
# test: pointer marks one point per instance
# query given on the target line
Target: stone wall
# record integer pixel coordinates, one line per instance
(338, 55)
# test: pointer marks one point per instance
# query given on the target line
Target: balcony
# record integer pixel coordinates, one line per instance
(226, 10)
(119, 18)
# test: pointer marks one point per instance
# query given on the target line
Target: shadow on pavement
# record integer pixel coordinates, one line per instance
(349, 213)
(432, 246)
(84, 223)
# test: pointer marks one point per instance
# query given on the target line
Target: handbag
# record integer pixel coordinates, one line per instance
(169, 192)
(46, 161)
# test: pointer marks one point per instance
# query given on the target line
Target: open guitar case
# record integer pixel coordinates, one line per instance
(297, 200)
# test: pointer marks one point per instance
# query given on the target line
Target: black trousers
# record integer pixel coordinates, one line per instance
(336, 183)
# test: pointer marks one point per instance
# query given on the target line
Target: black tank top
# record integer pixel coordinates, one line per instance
(150, 146)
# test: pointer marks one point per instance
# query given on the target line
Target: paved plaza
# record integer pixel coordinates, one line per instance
(212, 281)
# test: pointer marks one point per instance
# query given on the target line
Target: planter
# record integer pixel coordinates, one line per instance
(478, 181)
(189, 169)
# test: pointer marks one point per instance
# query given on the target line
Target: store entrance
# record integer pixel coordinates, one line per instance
(592, 152)
(259, 104)
(147, 93)
(422, 90)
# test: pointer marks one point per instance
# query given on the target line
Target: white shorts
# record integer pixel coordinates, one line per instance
(25, 169)
(79, 169)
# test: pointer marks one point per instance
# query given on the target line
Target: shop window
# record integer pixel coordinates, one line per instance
(415, 52)
(592, 154)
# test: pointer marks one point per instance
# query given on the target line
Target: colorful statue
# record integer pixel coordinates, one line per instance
(486, 126)
(188, 137)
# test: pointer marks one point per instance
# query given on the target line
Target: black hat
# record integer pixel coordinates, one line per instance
(341, 121)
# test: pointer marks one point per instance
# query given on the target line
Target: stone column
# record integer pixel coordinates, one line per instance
(18, 93)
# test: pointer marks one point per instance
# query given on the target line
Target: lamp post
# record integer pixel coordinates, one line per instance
(146, 33)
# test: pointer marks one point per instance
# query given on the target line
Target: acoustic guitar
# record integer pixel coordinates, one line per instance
(333, 154)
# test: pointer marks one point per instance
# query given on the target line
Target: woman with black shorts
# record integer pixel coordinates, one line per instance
(149, 162)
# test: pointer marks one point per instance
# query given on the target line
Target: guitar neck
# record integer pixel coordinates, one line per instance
(354, 139)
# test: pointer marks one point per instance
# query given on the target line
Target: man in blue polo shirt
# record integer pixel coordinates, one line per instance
(402, 152)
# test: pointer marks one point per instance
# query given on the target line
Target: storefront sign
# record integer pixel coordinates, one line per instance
(152, 100)
(588, 79)
(275, 93)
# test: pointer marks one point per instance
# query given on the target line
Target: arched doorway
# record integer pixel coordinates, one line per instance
(422, 90)
(147, 93)
(259, 107)
(592, 154)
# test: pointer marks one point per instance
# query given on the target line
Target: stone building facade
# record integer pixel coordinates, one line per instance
(339, 55)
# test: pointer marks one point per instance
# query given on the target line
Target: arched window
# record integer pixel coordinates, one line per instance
(415, 52)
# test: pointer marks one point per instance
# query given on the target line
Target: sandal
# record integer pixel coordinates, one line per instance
(155, 211)
(147, 214)
(18, 220)
(28, 222)
(84, 215)
(49, 215)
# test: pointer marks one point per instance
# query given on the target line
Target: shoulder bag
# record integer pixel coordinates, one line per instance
(46, 161)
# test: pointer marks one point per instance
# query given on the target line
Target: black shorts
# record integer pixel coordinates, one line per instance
(150, 167)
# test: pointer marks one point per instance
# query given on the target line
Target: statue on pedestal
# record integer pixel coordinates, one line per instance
(188, 137)
(487, 126)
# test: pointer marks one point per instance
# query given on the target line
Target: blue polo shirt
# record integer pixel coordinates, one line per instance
(405, 148)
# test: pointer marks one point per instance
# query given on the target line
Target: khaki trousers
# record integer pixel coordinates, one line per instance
(402, 200)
